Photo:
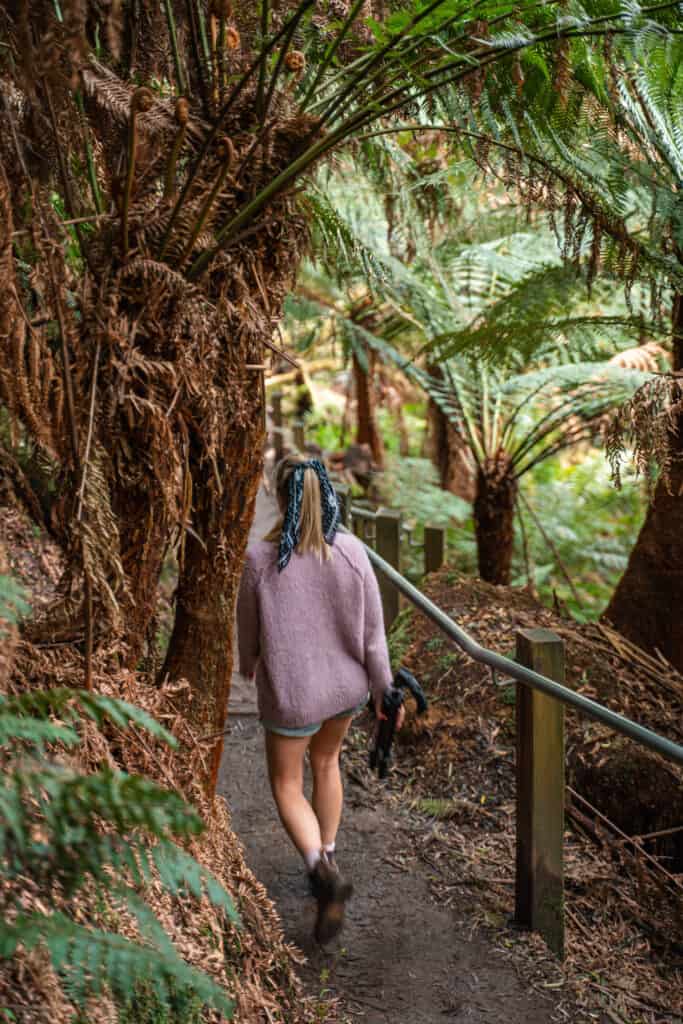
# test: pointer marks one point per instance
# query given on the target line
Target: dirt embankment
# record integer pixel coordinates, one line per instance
(456, 765)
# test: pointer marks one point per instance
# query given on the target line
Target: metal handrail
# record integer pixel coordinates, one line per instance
(667, 748)
(362, 513)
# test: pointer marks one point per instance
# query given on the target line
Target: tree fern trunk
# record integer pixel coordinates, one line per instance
(646, 604)
(201, 645)
(494, 514)
(448, 451)
(367, 431)
(144, 542)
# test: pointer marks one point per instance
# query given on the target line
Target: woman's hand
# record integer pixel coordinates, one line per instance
(381, 717)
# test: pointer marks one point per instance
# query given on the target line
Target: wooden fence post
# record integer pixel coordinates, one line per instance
(388, 547)
(299, 435)
(539, 889)
(435, 548)
(344, 496)
(279, 441)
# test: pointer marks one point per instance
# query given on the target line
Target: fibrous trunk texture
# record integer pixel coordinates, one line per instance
(201, 650)
(646, 604)
(494, 514)
(367, 430)
(134, 354)
(448, 452)
(144, 541)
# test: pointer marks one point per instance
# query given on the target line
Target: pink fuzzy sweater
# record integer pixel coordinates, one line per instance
(314, 633)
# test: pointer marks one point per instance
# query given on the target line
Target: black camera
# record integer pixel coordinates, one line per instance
(380, 754)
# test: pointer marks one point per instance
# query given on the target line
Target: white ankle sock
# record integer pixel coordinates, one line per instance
(312, 858)
(328, 847)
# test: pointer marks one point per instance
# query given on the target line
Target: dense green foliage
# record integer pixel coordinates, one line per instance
(70, 840)
(571, 520)
(523, 348)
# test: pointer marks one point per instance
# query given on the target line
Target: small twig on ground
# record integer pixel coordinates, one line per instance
(629, 839)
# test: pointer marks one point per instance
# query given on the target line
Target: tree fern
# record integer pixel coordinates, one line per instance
(63, 832)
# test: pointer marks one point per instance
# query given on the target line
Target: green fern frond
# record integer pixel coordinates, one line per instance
(91, 961)
(601, 376)
(68, 704)
(13, 604)
(336, 245)
(180, 873)
(16, 728)
(64, 830)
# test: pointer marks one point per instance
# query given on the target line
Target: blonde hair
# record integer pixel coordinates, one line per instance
(311, 519)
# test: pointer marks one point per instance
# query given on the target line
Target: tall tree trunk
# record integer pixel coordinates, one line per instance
(450, 455)
(201, 644)
(646, 604)
(403, 434)
(367, 430)
(447, 450)
(144, 538)
(225, 480)
(494, 515)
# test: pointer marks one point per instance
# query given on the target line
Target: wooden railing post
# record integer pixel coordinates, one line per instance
(539, 891)
(388, 547)
(278, 437)
(344, 496)
(299, 435)
(435, 548)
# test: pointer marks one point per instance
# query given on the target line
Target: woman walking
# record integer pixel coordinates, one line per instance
(310, 629)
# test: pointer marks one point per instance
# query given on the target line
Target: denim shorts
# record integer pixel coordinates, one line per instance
(311, 730)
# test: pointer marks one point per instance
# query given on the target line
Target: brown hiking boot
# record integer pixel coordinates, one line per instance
(331, 892)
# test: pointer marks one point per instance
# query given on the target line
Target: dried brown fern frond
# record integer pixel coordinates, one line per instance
(99, 544)
(647, 358)
(645, 429)
(29, 380)
(113, 97)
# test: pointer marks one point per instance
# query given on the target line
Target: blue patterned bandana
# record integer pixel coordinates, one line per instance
(291, 525)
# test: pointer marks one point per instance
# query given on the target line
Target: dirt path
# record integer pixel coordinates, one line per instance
(402, 958)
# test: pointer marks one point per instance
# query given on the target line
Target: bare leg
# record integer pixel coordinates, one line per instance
(285, 756)
(328, 793)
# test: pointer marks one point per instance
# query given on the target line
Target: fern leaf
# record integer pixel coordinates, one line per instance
(15, 728)
(121, 713)
(180, 873)
(13, 604)
(91, 960)
(67, 703)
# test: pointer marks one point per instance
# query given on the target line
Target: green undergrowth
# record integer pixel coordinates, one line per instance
(399, 638)
(573, 531)
(67, 834)
(89, 847)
